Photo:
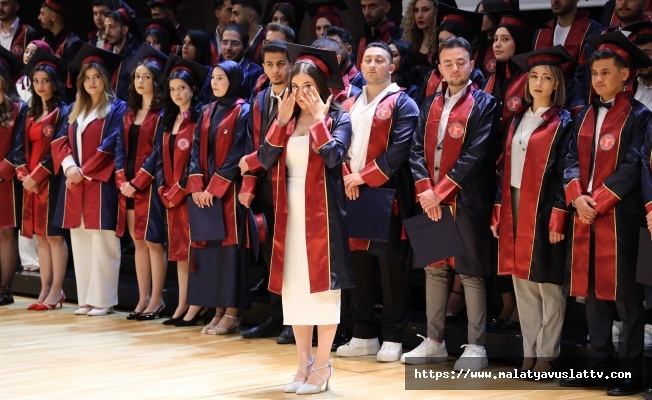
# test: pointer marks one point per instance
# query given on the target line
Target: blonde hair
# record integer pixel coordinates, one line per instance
(83, 102)
(413, 35)
(558, 95)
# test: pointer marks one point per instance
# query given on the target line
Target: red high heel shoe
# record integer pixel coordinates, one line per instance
(46, 306)
(33, 306)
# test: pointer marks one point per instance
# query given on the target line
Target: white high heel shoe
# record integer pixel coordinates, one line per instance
(309, 388)
(100, 311)
(294, 386)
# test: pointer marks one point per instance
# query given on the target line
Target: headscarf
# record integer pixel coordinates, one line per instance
(236, 82)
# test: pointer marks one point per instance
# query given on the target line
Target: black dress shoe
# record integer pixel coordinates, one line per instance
(172, 321)
(510, 326)
(495, 323)
(286, 336)
(133, 315)
(148, 316)
(268, 328)
(260, 289)
(625, 387)
(341, 338)
(191, 322)
(6, 298)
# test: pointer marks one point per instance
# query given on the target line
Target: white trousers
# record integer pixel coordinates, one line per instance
(28, 250)
(96, 254)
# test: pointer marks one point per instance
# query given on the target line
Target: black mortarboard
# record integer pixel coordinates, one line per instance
(513, 19)
(434, 241)
(369, 215)
(555, 56)
(334, 7)
(161, 24)
(450, 3)
(624, 48)
(206, 223)
(89, 53)
(58, 6)
(12, 64)
(472, 21)
(299, 7)
(639, 28)
(147, 52)
(127, 13)
(643, 270)
(41, 57)
(325, 60)
(173, 4)
(198, 71)
(257, 230)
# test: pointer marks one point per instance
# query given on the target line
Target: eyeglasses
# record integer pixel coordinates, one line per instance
(232, 43)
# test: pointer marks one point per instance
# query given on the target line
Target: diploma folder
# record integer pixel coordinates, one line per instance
(644, 264)
(369, 215)
(206, 224)
(434, 241)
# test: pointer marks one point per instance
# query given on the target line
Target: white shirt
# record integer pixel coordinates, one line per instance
(362, 115)
(602, 113)
(218, 40)
(449, 103)
(260, 29)
(7, 37)
(82, 123)
(644, 94)
(101, 40)
(273, 96)
(24, 93)
(560, 35)
(529, 123)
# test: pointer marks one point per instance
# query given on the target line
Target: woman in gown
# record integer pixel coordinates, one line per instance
(305, 148)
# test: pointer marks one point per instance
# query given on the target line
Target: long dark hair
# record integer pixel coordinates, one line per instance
(407, 73)
(135, 101)
(202, 44)
(10, 96)
(170, 109)
(310, 69)
(288, 12)
(162, 37)
(57, 97)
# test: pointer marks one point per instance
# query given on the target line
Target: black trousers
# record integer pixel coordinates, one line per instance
(394, 281)
(600, 316)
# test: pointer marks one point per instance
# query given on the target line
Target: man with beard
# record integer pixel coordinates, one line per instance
(223, 9)
(246, 13)
(568, 28)
(15, 34)
(97, 37)
(610, 16)
(377, 27)
(63, 42)
(256, 191)
(235, 42)
(167, 9)
(117, 26)
(347, 67)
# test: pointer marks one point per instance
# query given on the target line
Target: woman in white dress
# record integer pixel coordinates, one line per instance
(304, 149)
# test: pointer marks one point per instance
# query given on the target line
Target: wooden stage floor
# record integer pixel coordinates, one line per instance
(58, 355)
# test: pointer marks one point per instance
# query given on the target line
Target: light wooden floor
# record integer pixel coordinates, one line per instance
(58, 355)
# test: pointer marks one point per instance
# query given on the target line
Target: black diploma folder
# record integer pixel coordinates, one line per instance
(206, 224)
(434, 241)
(369, 215)
(644, 265)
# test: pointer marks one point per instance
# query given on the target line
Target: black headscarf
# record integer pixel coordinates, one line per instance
(236, 82)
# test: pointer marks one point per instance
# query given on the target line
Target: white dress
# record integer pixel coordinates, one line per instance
(300, 307)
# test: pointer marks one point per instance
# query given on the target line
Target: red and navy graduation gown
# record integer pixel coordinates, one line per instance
(23, 36)
(386, 166)
(220, 140)
(507, 85)
(466, 171)
(171, 177)
(355, 76)
(617, 192)
(434, 79)
(252, 72)
(10, 188)
(485, 59)
(542, 206)
(38, 209)
(383, 33)
(256, 46)
(94, 200)
(148, 209)
(327, 239)
(341, 95)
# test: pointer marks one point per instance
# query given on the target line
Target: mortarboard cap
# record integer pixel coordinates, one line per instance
(624, 48)
(433, 241)
(472, 21)
(555, 56)
(175, 62)
(147, 52)
(41, 57)
(58, 6)
(206, 223)
(12, 64)
(257, 230)
(299, 7)
(127, 13)
(161, 24)
(513, 19)
(89, 53)
(325, 60)
(639, 29)
(369, 215)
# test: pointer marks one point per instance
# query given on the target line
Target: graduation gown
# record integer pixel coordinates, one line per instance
(252, 72)
(485, 59)
(434, 79)
(326, 230)
(383, 33)
(38, 209)
(148, 209)
(121, 78)
(23, 36)
(171, 179)
(94, 200)
(542, 206)
(220, 139)
(386, 166)
(466, 170)
(11, 191)
(617, 192)
(509, 90)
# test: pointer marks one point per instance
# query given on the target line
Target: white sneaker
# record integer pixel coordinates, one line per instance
(617, 332)
(390, 352)
(100, 311)
(427, 352)
(83, 310)
(359, 347)
(474, 358)
(648, 338)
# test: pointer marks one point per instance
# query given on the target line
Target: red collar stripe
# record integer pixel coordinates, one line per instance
(318, 63)
(620, 52)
